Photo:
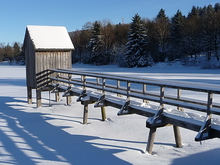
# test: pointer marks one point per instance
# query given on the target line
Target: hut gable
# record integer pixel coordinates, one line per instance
(49, 37)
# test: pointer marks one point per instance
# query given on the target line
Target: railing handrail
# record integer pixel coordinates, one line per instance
(200, 87)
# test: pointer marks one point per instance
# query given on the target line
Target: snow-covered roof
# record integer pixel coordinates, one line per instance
(50, 37)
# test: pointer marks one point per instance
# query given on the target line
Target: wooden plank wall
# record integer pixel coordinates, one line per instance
(30, 62)
(50, 60)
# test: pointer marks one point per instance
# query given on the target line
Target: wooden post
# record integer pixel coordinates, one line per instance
(68, 100)
(176, 129)
(83, 79)
(29, 95)
(98, 83)
(57, 96)
(103, 93)
(118, 86)
(38, 98)
(144, 91)
(161, 97)
(209, 103)
(128, 95)
(151, 138)
(85, 113)
(177, 135)
(179, 91)
(103, 113)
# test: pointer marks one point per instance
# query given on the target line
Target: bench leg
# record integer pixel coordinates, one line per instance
(177, 135)
(29, 95)
(38, 93)
(57, 96)
(103, 113)
(151, 138)
(85, 114)
(68, 100)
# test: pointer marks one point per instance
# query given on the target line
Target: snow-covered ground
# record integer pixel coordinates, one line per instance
(55, 134)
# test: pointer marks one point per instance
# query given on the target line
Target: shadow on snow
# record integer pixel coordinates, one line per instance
(29, 139)
(210, 157)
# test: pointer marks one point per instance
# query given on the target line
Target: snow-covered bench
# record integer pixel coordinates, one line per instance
(108, 90)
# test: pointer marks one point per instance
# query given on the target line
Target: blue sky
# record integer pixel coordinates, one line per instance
(15, 15)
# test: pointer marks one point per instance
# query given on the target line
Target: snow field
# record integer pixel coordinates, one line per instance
(55, 134)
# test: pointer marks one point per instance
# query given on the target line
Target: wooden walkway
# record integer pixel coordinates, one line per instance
(127, 94)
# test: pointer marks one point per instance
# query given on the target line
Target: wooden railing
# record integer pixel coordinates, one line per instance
(128, 94)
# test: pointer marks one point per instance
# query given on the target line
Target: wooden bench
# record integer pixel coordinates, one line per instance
(93, 88)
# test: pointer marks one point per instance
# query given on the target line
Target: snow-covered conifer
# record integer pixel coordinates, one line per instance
(136, 54)
(96, 45)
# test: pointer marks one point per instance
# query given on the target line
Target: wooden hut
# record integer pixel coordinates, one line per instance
(45, 47)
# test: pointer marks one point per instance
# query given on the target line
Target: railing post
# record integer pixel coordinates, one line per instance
(86, 109)
(118, 86)
(128, 94)
(209, 103)
(204, 132)
(68, 98)
(161, 97)
(179, 92)
(144, 91)
(176, 129)
(57, 94)
(103, 93)
(98, 83)
(83, 79)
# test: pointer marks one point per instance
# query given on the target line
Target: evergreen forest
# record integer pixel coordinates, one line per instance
(143, 42)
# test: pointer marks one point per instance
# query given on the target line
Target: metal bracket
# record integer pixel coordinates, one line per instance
(101, 102)
(67, 92)
(205, 131)
(125, 109)
(157, 120)
(55, 89)
(81, 96)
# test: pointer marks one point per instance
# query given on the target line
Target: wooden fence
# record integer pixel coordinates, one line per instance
(127, 94)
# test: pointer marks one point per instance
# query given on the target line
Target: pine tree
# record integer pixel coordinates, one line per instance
(195, 12)
(162, 34)
(211, 31)
(136, 48)
(95, 42)
(177, 39)
(161, 14)
(217, 7)
(192, 32)
(96, 45)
